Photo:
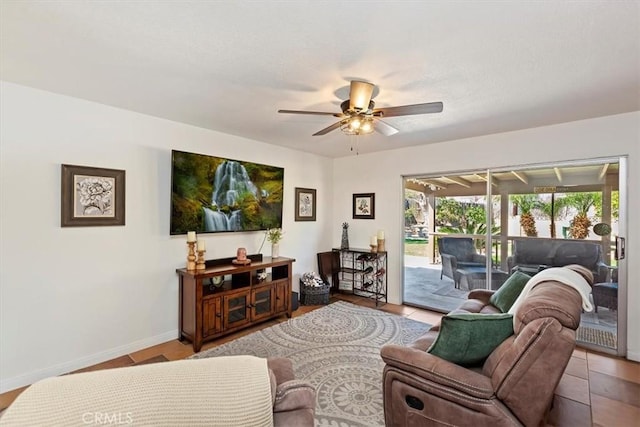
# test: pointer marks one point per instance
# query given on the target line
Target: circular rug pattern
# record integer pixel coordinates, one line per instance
(337, 349)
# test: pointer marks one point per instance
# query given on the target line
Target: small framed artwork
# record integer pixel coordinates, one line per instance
(92, 196)
(364, 206)
(305, 204)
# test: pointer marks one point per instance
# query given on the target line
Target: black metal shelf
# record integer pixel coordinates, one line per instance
(363, 273)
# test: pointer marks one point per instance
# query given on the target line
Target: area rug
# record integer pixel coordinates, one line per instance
(337, 349)
(596, 336)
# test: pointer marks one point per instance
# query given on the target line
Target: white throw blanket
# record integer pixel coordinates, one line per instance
(217, 391)
(559, 274)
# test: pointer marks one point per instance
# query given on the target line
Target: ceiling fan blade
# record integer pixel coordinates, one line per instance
(360, 95)
(384, 128)
(408, 110)
(326, 130)
(317, 113)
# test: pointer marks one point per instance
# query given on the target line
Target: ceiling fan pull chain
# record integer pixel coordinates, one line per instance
(354, 143)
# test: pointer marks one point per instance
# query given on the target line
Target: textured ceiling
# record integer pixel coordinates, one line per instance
(229, 66)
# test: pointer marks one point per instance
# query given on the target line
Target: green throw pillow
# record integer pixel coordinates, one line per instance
(469, 338)
(508, 293)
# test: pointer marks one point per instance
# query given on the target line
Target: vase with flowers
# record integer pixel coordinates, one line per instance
(274, 235)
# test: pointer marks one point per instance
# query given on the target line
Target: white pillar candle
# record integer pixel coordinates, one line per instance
(373, 241)
(380, 234)
(191, 236)
(201, 246)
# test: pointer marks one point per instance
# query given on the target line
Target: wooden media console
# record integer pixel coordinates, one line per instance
(224, 298)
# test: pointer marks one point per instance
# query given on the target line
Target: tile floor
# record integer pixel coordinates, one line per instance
(596, 389)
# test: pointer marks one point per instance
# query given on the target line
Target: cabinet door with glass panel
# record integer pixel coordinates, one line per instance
(262, 301)
(237, 310)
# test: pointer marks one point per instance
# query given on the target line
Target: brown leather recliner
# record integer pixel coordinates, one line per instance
(515, 386)
(295, 400)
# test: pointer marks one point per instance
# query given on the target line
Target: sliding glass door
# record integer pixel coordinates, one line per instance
(445, 231)
(473, 229)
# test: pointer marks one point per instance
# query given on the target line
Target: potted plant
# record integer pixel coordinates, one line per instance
(274, 235)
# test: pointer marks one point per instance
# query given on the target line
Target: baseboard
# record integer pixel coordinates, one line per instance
(51, 371)
(633, 355)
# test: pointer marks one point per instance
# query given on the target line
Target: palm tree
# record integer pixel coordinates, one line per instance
(526, 203)
(582, 202)
(554, 209)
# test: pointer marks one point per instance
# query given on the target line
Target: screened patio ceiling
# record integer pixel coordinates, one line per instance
(565, 179)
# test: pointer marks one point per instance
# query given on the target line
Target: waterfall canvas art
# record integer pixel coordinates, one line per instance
(213, 194)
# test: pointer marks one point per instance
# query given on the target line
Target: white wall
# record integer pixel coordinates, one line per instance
(381, 173)
(72, 297)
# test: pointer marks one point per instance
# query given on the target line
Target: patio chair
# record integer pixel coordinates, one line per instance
(458, 252)
(605, 294)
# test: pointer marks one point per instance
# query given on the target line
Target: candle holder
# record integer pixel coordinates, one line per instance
(191, 258)
(200, 263)
(380, 245)
(374, 248)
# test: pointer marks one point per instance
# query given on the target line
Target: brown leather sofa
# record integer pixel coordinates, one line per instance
(513, 387)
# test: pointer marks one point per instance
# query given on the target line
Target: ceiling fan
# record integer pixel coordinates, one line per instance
(359, 115)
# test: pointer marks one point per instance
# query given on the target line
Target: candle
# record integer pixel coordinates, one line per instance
(191, 236)
(201, 246)
(374, 241)
(380, 234)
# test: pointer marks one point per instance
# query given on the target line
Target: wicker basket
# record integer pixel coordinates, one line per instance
(314, 295)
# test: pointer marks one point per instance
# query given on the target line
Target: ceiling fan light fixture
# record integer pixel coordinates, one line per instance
(357, 125)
